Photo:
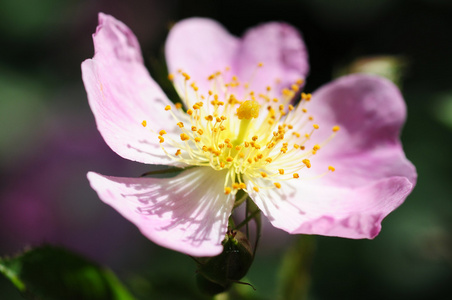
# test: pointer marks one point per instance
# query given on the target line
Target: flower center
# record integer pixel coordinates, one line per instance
(225, 133)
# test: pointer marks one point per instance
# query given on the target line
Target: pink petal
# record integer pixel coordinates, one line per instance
(370, 112)
(187, 213)
(202, 46)
(282, 51)
(199, 47)
(122, 95)
(310, 207)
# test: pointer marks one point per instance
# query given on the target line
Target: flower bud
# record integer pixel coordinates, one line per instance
(216, 274)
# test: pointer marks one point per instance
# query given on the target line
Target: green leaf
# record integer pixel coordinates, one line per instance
(54, 273)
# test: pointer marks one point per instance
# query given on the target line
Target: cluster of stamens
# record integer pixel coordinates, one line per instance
(227, 133)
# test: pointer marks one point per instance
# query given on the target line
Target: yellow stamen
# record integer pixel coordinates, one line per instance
(227, 190)
(184, 137)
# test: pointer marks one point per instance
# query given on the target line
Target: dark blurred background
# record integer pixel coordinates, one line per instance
(48, 141)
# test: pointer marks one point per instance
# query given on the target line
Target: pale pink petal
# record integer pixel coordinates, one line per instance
(187, 213)
(122, 95)
(282, 51)
(199, 47)
(310, 207)
(370, 112)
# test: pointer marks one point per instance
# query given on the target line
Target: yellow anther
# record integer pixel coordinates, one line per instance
(263, 174)
(249, 160)
(304, 110)
(190, 112)
(307, 162)
(161, 139)
(277, 184)
(222, 164)
(162, 132)
(291, 107)
(336, 128)
(331, 168)
(290, 126)
(260, 65)
(315, 126)
(144, 123)
(197, 139)
(259, 156)
(268, 159)
(178, 105)
(223, 118)
(186, 76)
(184, 137)
(229, 159)
(316, 147)
(204, 148)
(248, 109)
(227, 190)
(196, 106)
(286, 92)
(299, 81)
(218, 119)
(180, 124)
(168, 107)
(296, 146)
(178, 152)
(193, 128)
(171, 77)
(238, 148)
(281, 171)
(254, 138)
(209, 118)
(200, 131)
(269, 88)
(247, 144)
(255, 188)
(294, 87)
(241, 155)
(235, 186)
(306, 97)
(242, 186)
(302, 147)
(295, 175)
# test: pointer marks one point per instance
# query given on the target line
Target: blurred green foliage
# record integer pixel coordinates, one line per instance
(54, 273)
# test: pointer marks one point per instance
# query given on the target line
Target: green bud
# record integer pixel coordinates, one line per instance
(216, 274)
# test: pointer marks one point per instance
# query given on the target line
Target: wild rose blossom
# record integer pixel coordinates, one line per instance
(332, 165)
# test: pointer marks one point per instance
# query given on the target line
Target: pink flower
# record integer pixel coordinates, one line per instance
(237, 130)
